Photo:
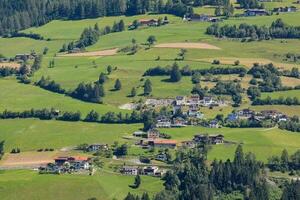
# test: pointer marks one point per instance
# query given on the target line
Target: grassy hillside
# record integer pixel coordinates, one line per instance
(30, 134)
(33, 186)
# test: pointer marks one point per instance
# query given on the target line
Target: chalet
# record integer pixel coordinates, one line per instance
(148, 22)
(130, 170)
(283, 118)
(139, 134)
(177, 108)
(214, 124)
(161, 157)
(23, 57)
(75, 50)
(208, 101)
(245, 113)
(209, 139)
(232, 117)
(163, 122)
(163, 143)
(180, 100)
(255, 12)
(150, 170)
(188, 144)
(153, 134)
(194, 112)
(285, 9)
(270, 114)
(201, 18)
(75, 162)
(97, 147)
(194, 100)
(178, 122)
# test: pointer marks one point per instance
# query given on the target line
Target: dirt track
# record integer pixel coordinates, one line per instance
(109, 52)
(187, 45)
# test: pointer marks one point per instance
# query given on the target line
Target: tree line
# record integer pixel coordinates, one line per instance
(285, 162)
(92, 116)
(186, 71)
(278, 29)
(16, 15)
(280, 101)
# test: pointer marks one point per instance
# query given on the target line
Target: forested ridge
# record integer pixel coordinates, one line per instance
(16, 15)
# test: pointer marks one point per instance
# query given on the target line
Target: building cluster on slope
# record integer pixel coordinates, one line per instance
(67, 164)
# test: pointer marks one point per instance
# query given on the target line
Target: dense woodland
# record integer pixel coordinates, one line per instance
(191, 178)
(16, 15)
(278, 29)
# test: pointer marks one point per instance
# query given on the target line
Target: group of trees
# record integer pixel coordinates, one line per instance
(229, 88)
(292, 124)
(7, 71)
(270, 76)
(280, 101)
(90, 36)
(51, 85)
(89, 92)
(17, 15)
(292, 57)
(190, 177)
(285, 162)
(187, 71)
(249, 4)
(278, 29)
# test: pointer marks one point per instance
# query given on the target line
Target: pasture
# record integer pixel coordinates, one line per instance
(33, 186)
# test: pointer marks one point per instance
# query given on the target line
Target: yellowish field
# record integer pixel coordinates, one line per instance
(108, 52)
(187, 45)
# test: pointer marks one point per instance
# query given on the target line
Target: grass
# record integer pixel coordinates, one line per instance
(263, 142)
(31, 134)
(19, 97)
(33, 186)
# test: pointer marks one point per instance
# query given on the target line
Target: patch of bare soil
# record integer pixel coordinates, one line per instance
(10, 64)
(187, 45)
(108, 52)
(27, 159)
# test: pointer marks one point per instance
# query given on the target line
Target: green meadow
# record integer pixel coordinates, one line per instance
(32, 134)
(19, 184)
(263, 142)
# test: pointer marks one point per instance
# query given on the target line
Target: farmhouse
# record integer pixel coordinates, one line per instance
(180, 100)
(209, 139)
(188, 144)
(255, 12)
(97, 147)
(153, 134)
(130, 170)
(245, 113)
(285, 9)
(139, 134)
(201, 18)
(163, 122)
(75, 162)
(148, 22)
(214, 124)
(150, 170)
(179, 122)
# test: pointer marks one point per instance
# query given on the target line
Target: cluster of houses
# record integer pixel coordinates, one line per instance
(258, 116)
(147, 170)
(67, 164)
(201, 18)
(285, 9)
(255, 12)
(150, 22)
(187, 106)
(153, 139)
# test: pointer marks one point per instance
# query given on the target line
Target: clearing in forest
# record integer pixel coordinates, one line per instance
(187, 45)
